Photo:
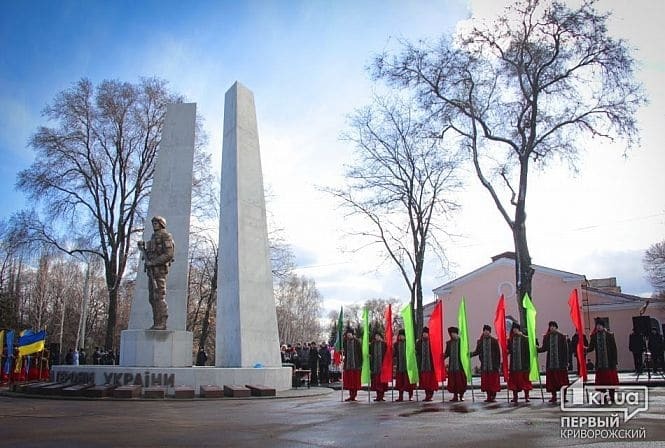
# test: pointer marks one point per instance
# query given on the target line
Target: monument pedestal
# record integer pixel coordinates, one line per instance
(156, 348)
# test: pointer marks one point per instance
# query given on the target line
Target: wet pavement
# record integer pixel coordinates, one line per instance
(302, 418)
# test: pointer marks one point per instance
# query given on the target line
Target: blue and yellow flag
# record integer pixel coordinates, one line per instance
(31, 343)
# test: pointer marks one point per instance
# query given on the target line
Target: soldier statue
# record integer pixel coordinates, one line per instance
(158, 255)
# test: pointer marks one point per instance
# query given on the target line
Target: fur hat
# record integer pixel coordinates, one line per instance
(402, 332)
(452, 330)
(487, 327)
(599, 321)
(515, 326)
(553, 324)
(425, 330)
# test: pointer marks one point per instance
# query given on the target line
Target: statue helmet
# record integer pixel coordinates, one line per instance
(160, 220)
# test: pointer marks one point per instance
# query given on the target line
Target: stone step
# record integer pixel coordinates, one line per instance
(128, 391)
(154, 392)
(259, 390)
(100, 391)
(183, 392)
(211, 391)
(76, 390)
(236, 391)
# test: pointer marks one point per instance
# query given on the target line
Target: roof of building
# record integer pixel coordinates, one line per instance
(505, 259)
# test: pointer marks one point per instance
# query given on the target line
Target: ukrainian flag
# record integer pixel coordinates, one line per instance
(31, 343)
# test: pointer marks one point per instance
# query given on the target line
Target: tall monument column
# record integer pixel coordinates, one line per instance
(171, 198)
(246, 318)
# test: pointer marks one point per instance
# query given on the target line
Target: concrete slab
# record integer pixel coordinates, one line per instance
(183, 392)
(211, 391)
(127, 392)
(154, 392)
(236, 391)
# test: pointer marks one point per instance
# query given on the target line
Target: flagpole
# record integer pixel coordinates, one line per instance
(443, 364)
(473, 395)
(542, 395)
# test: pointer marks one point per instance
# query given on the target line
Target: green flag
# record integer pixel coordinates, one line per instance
(411, 360)
(464, 339)
(534, 373)
(340, 330)
(365, 373)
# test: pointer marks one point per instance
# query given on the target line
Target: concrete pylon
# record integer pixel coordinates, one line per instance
(170, 197)
(246, 318)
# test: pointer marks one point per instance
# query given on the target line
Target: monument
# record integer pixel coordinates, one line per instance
(156, 349)
(246, 319)
(149, 342)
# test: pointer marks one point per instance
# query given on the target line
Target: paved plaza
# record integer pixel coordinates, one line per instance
(301, 418)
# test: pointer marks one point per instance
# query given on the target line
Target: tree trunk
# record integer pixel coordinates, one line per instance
(110, 323)
(523, 270)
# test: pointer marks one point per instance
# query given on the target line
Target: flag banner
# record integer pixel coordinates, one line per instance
(387, 365)
(409, 332)
(9, 337)
(436, 344)
(500, 325)
(365, 373)
(464, 339)
(576, 317)
(534, 372)
(31, 342)
(340, 330)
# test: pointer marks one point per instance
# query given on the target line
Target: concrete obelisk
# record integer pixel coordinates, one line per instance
(170, 197)
(246, 319)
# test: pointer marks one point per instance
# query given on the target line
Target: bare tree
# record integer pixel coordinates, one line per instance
(402, 184)
(298, 305)
(93, 172)
(526, 88)
(654, 265)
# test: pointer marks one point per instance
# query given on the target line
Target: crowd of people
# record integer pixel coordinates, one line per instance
(555, 344)
(317, 358)
(648, 351)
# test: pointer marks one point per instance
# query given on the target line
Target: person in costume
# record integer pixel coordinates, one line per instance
(489, 353)
(556, 346)
(603, 343)
(427, 377)
(352, 364)
(518, 349)
(456, 376)
(402, 382)
(377, 351)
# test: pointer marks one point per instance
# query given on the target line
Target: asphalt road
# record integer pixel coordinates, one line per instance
(319, 421)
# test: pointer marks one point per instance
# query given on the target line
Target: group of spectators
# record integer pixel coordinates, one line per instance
(100, 356)
(313, 357)
(647, 351)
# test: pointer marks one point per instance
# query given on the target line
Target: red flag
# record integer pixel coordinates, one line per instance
(435, 325)
(576, 316)
(387, 366)
(500, 325)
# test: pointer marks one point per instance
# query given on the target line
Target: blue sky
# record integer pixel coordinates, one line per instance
(305, 62)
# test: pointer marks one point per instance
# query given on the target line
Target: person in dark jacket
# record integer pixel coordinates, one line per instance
(402, 381)
(637, 347)
(518, 349)
(201, 357)
(324, 364)
(556, 347)
(456, 375)
(352, 364)
(427, 377)
(656, 349)
(604, 344)
(487, 349)
(314, 358)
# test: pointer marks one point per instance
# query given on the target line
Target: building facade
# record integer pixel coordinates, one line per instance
(551, 289)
